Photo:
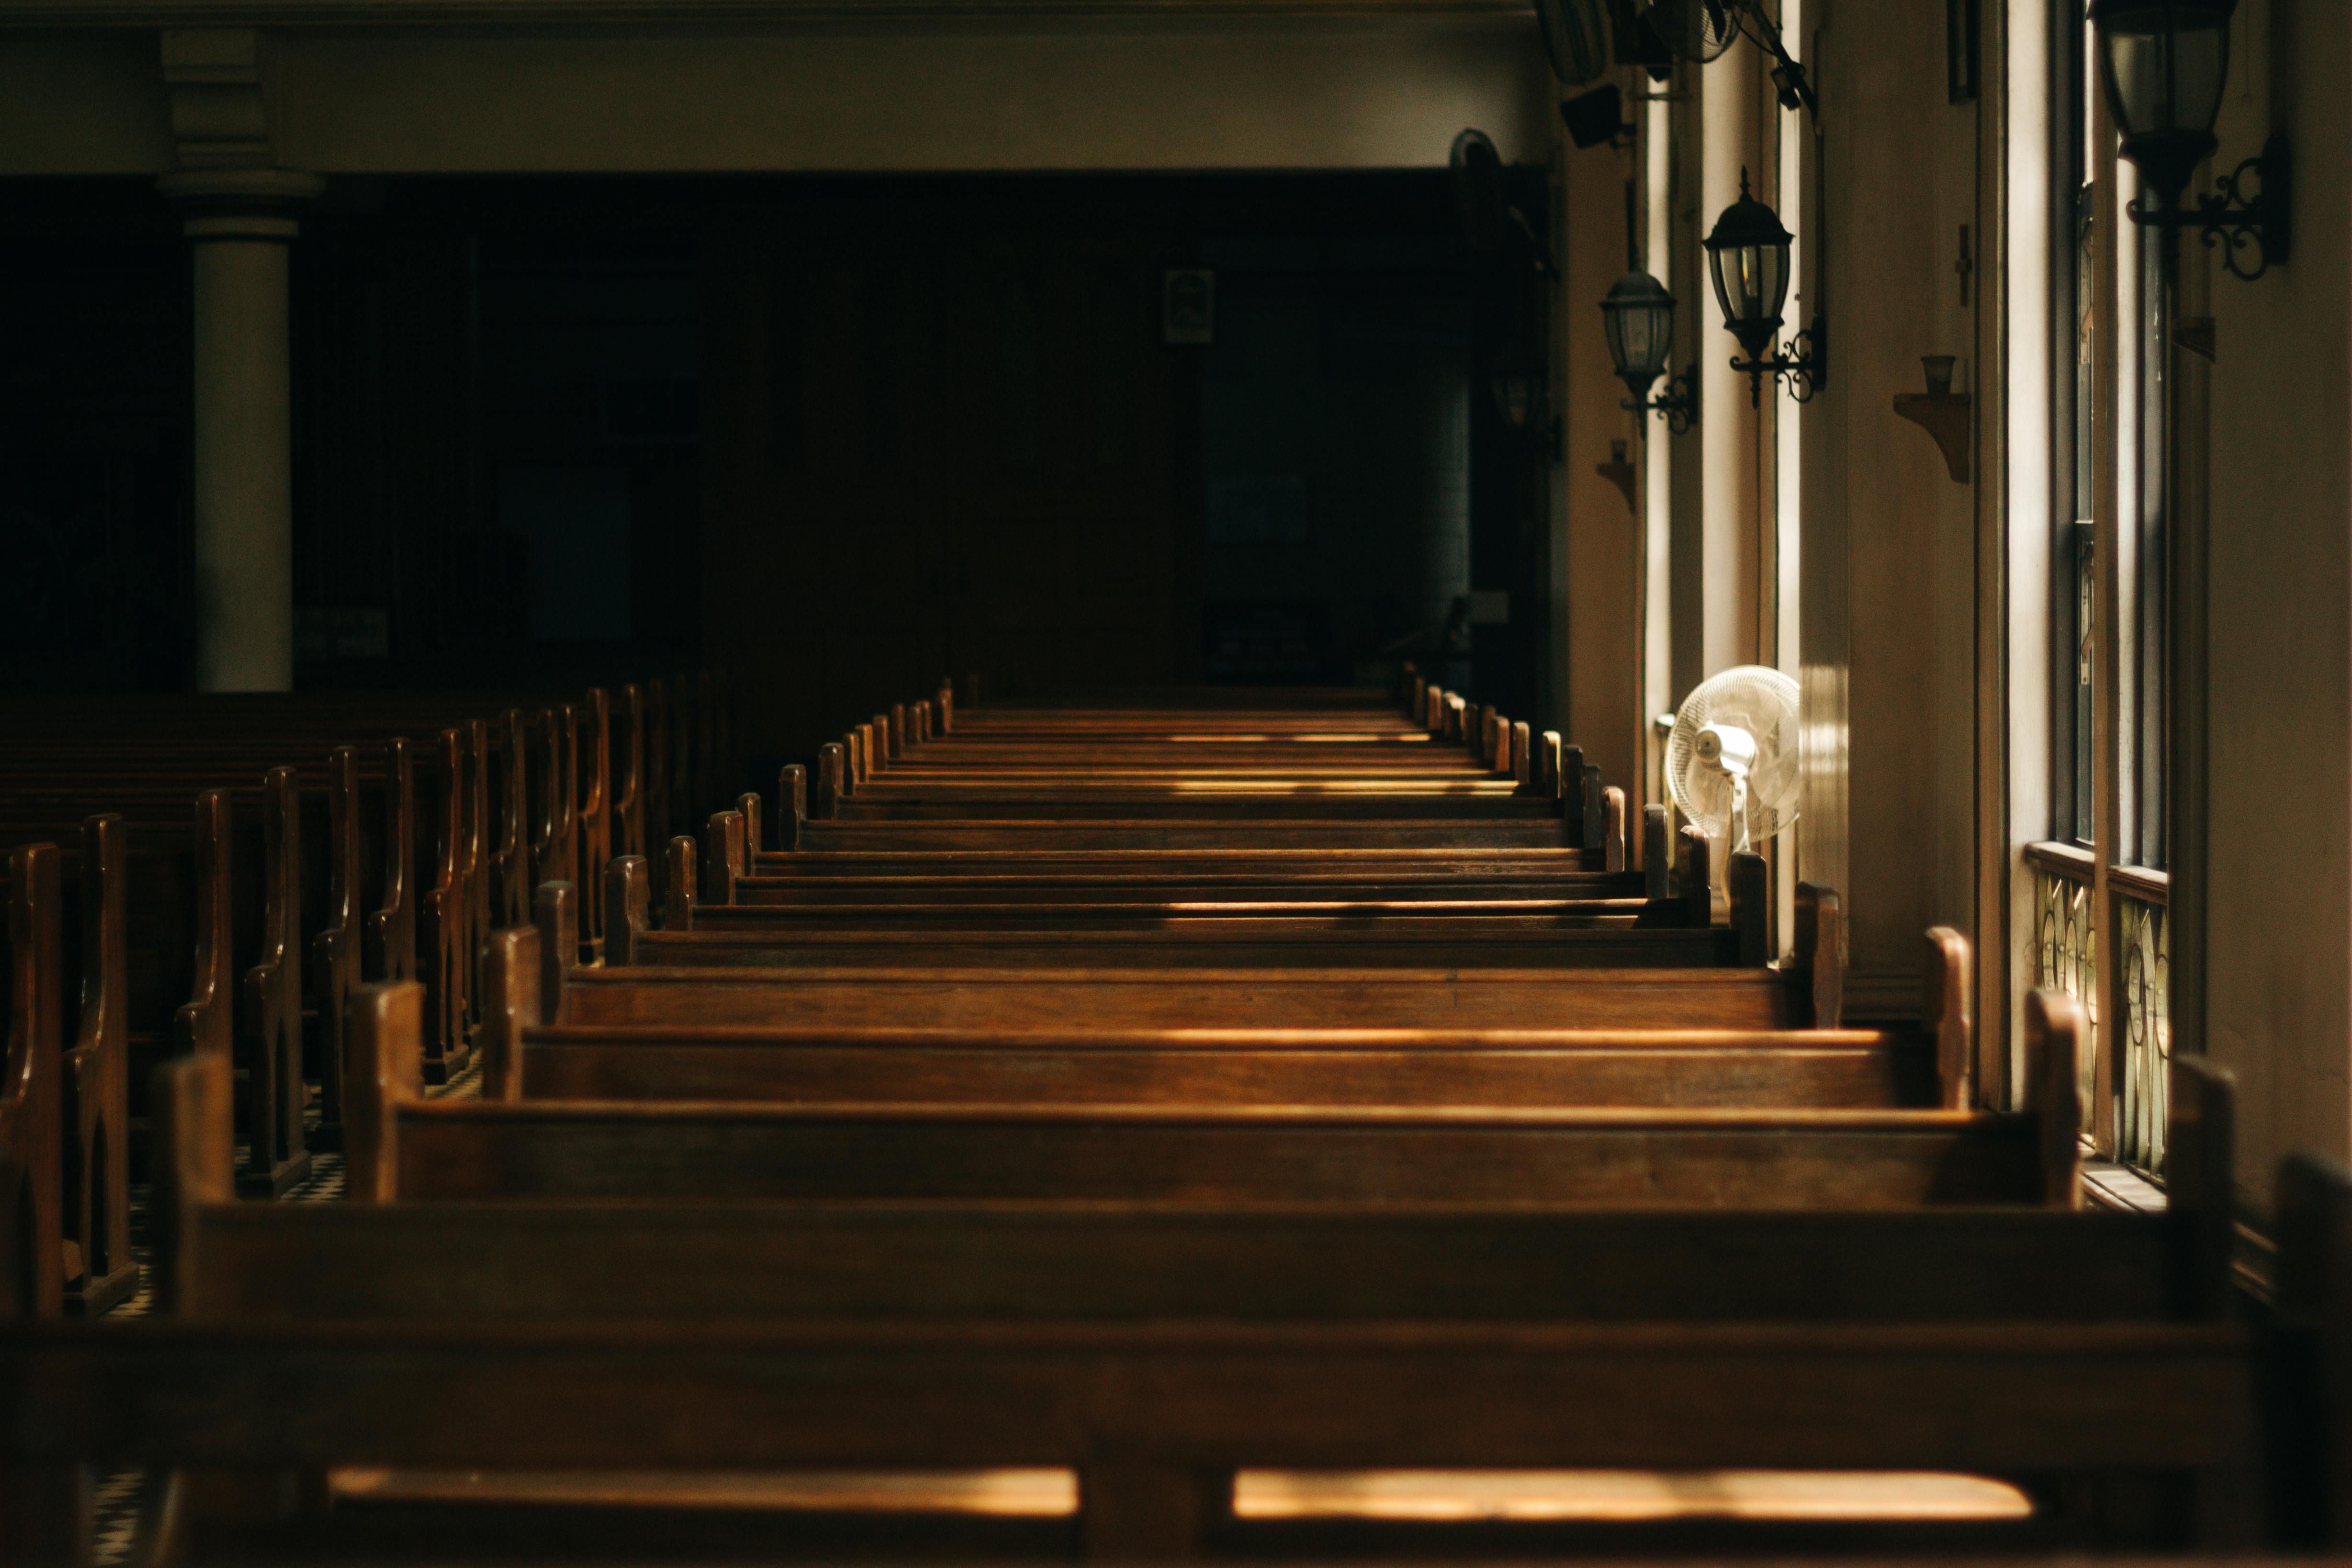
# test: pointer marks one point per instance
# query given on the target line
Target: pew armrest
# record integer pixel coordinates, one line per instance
(2200, 1172)
(2315, 1305)
(1817, 956)
(387, 1029)
(628, 906)
(2055, 1029)
(1950, 982)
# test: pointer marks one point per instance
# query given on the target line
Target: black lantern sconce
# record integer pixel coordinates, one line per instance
(1748, 258)
(1638, 318)
(2164, 63)
(1515, 383)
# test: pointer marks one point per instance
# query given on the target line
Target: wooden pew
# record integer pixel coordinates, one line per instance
(1129, 748)
(1794, 1070)
(65, 1176)
(32, 1196)
(930, 1334)
(1194, 1401)
(1310, 833)
(352, 820)
(1456, 1261)
(803, 865)
(631, 989)
(1256, 1151)
(98, 1269)
(249, 925)
(1001, 880)
(1598, 851)
(1078, 1060)
(160, 850)
(1207, 999)
(1464, 932)
(858, 806)
(1013, 977)
(1353, 1153)
(560, 776)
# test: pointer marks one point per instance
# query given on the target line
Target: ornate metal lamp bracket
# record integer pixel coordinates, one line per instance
(1678, 404)
(1803, 365)
(2249, 216)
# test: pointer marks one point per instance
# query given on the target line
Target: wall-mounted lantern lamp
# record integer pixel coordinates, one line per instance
(1515, 383)
(2164, 63)
(1638, 318)
(1748, 256)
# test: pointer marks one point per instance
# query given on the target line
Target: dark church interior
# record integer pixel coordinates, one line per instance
(1153, 780)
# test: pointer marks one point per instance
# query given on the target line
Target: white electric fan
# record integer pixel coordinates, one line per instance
(1731, 762)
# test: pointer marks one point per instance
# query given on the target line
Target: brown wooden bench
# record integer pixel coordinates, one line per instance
(1050, 873)
(1079, 1058)
(1796, 1070)
(68, 1170)
(1463, 930)
(1081, 771)
(1207, 999)
(939, 977)
(1154, 1417)
(1155, 1351)
(1078, 878)
(1080, 1054)
(1354, 1152)
(252, 914)
(32, 1121)
(1806, 993)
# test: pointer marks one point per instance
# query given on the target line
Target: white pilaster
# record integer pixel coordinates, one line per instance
(240, 222)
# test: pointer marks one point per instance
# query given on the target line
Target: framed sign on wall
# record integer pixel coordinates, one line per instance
(1189, 306)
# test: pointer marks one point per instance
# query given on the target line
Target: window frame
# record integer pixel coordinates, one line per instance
(2110, 507)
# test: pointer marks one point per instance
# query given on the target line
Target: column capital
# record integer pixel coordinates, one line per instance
(240, 203)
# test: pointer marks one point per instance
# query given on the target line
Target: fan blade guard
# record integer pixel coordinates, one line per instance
(1762, 702)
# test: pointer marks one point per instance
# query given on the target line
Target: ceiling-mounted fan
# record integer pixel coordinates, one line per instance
(1696, 30)
(1702, 30)
(1637, 41)
(1575, 38)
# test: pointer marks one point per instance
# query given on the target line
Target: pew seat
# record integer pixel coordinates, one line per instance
(1728, 998)
(1796, 1070)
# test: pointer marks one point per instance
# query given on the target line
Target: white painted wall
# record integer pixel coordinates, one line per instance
(1887, 555)
(2280, 998)
(1037, 93)
(1602, 536)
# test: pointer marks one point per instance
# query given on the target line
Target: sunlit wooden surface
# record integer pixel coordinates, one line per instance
(1605, 1496)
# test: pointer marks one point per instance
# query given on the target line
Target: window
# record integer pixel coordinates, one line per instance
(2102, 931)
(2074, 283)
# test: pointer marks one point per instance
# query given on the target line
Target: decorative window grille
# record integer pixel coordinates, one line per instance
(2144, 936)
(2066, 954)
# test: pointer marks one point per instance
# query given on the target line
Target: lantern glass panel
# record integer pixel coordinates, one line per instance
(1515, 394)
(1638, 319)
(1639, 350)
(1751, 285)
(2164, 64)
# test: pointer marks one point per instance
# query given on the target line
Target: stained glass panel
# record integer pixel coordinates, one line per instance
(2066, 959)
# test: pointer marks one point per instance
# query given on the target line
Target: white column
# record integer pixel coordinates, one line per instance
(239, 229)
(1731, 153)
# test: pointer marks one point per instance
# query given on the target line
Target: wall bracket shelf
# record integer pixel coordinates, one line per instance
(1945, 417)
(1620, 474)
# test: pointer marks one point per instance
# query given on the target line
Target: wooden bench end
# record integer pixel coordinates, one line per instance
(1817, 954)
(1948, 1004)
(2055, 1030)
